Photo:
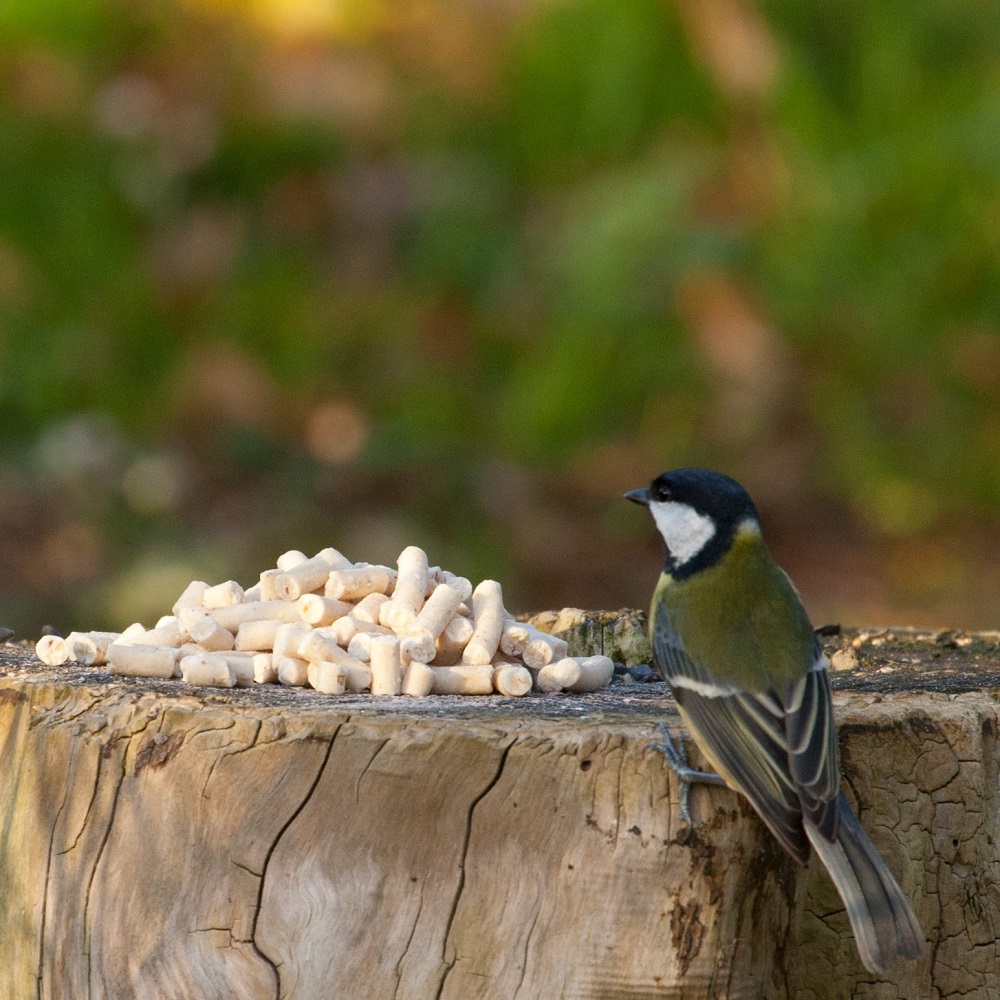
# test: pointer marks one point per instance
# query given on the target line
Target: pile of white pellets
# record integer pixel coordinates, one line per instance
(338, 626)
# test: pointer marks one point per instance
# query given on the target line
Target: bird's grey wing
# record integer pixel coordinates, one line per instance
(750, 737)
(812, 747)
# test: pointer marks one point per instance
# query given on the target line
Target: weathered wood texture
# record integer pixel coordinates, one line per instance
(158, 842)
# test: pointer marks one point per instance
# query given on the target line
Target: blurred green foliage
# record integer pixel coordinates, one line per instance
(459, 274)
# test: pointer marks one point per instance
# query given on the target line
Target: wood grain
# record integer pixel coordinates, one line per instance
(160, 842)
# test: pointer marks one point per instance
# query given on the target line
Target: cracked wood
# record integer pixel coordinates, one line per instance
(159, 842)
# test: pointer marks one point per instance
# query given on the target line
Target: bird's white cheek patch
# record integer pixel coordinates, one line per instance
(685, 531)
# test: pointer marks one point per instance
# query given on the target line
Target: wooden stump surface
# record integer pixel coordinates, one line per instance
(161, 841)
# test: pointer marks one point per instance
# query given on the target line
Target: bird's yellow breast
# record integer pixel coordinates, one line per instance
(740, 618)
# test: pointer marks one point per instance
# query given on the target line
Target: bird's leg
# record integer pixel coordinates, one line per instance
(676, 759)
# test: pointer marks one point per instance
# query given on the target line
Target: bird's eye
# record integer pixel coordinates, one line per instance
(663, 493)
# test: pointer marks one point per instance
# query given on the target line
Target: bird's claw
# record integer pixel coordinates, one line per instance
(676, 758)
(674, 752)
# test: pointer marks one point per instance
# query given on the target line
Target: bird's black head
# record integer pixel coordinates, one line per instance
(697, 512)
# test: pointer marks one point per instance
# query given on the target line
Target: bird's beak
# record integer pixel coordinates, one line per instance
(639, 496)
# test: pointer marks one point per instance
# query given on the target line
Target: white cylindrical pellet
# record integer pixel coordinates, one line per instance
(348, 627)
(242, 665)
(337, 560)
(398, 617)
(595, 673)
(90, 647)
(322, 645)
(191, 596)
(257, 636)
(307, 576)
(52, 649)
(543, 648)
(184, 618)
(142, 661)
(463, 679)
(367, 608)
(133, 632)
(288, 560)
(264, 669)
(232, 618)
(384, 665)
(558, 675)
(327, 677)
(411, 584)
(266, 585)
(418, 680)
(417, 645)
(167, 635)
(288, 639)
(360, 646)
(359, 676)
(438, 610)
(459, 583)
(318, 610)
(171, 629)
(207, 670)
(318, 644)
(354, 584)
(511, 680)
(223, 595)
(459, 629)
(419, 641)
(292, 671)
(452, 641)
(515, 636)
(210, 635)
(487, 610)
(252, 594)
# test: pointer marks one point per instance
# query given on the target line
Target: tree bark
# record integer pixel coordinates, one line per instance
(160, 841)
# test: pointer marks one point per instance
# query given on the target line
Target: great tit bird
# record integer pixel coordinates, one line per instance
(733, 642)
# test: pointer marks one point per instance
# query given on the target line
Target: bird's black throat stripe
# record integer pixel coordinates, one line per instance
(713, 550)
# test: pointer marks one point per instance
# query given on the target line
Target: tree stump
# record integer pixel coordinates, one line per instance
(161, 841)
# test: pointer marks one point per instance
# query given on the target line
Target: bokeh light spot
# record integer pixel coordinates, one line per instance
(152, 484)
(898, 506)
(336, 432)
(71, 553)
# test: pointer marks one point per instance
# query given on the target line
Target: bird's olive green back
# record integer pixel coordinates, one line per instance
(740, 618)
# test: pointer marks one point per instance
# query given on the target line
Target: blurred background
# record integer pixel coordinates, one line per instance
(294, 273)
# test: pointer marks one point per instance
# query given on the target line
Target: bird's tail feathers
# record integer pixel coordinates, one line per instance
(884, 925)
